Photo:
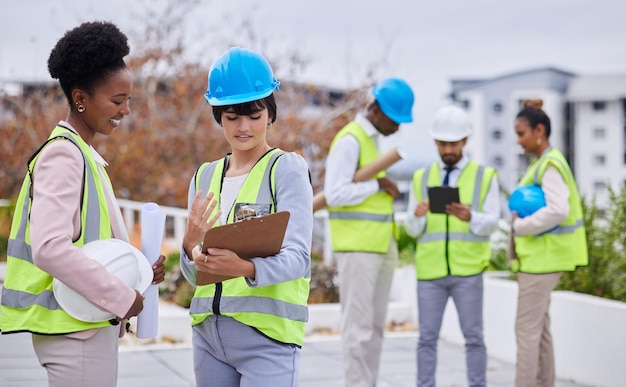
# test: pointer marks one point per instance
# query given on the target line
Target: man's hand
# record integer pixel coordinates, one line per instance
(459, 210)
(421, 209)
(387, 185)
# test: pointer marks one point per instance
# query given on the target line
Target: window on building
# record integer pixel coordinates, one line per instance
(599, 133)
(599, 160)
(497, 107)
(599, 186)
(624, 141)
(496, 134)
(498, 162)
(464, 103)
(598, 105)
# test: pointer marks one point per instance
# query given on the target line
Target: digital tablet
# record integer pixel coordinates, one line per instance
(439, 197)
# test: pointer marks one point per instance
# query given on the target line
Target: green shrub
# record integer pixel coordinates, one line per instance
(605, 276)
(6, 213)
(406, 247)
(175, 287)
(4, 241)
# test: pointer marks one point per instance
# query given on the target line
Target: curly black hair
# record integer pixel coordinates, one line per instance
(86, 55)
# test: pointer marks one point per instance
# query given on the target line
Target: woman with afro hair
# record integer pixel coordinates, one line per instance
(67, 201)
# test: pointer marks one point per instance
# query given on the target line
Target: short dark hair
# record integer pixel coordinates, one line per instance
(248, 108)
(86, 55)
(534, 115)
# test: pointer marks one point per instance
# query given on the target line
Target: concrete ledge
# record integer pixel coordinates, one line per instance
(588, 331)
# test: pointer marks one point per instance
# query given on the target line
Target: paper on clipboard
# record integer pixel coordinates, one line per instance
(254, 237)
(439, 197)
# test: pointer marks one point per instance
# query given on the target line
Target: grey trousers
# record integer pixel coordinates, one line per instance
(432, 296)
(227, 353)
(72, 362)
(364, 285)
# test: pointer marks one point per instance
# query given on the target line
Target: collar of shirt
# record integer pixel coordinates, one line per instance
(546, 150)
(367, 126)
(460, 165)
(99, 159)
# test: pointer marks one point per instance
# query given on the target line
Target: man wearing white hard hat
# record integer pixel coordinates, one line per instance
(361, 225)
(453, 247)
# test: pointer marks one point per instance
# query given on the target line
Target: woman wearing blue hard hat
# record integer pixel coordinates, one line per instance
(248, 330)
(543, 250)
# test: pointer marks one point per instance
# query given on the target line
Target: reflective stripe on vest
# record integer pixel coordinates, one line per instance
(561, 249)
(28, 303)
(447, 246)
(367, 226)
(279, 311)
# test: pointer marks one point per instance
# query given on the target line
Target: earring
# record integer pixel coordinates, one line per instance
(538, 142)
(80, 107)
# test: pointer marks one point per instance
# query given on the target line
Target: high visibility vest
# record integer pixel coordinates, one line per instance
(561, 249)
(278, 311)
(367, 226)
(447, 246)
(28, 303)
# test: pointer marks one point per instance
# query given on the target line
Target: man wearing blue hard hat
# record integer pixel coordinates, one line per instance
(453, 247)
(362, 228)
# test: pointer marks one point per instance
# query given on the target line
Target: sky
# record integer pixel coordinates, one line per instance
(353, 43)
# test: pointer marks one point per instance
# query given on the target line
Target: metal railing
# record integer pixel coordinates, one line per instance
(176, 221)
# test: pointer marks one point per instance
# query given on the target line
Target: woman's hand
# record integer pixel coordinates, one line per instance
(158, 270)
(199, 221)
(223, 262)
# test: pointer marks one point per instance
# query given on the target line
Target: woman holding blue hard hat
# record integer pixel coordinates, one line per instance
(549, 238)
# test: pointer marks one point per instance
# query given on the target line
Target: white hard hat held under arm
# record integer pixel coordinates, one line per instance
(121, 259)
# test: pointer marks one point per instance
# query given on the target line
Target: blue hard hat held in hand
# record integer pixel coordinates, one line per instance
(526, 200)
(395, 98)
(240, 75)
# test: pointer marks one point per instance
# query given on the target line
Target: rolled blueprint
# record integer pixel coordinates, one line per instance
(383, 162)
(152, 229)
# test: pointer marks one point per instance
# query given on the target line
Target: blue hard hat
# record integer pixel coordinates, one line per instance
(240, 75)
(526, 199)
(395, 99)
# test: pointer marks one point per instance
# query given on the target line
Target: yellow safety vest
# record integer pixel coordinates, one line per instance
(564, 248)
(28, 303)
(367, 226)
(278, 311)
(447, 246)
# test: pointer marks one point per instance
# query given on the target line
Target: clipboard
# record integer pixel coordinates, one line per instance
(260, 236)
(439, 197)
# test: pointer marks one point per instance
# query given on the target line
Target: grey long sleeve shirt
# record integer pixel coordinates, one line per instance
(294, 194)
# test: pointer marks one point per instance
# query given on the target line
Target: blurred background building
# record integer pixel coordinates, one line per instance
(587, 113)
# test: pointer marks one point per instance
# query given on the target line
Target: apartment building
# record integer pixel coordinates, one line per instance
(597, 108)
(588, 124)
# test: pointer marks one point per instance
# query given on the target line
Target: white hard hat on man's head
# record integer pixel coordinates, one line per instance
(119, 258)
(451, 124)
